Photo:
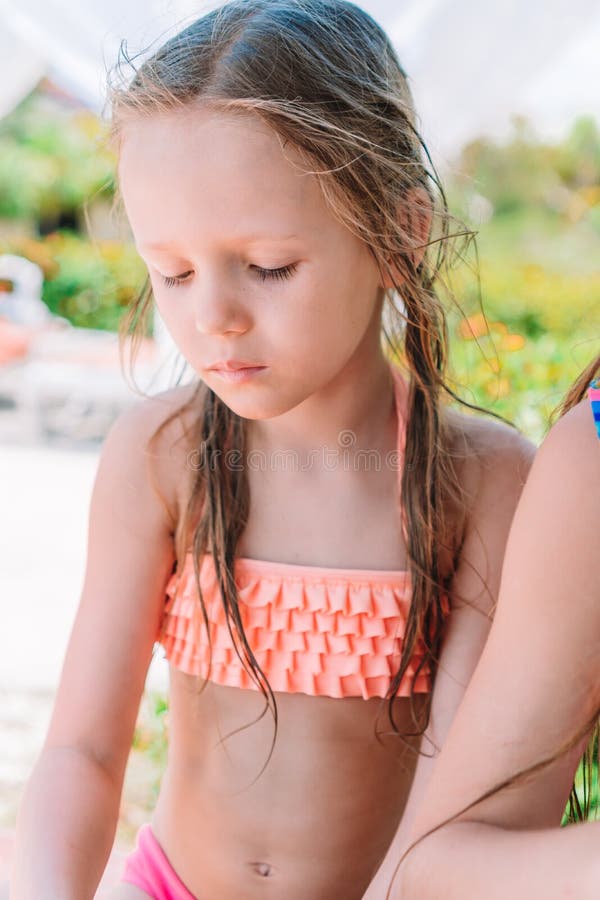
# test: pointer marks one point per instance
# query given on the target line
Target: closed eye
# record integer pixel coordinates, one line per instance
(174, 280)
(281, 273)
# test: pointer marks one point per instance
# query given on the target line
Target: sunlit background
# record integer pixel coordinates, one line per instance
(509, 105)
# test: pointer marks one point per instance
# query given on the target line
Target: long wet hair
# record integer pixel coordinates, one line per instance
(325, 77)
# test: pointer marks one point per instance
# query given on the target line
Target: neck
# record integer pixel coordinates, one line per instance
(355, 409)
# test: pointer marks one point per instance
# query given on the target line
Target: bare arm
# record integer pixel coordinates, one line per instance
(68, 814)
(536, 686)
(493, 480)
(473, 860)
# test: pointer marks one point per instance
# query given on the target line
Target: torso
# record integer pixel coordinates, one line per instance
(315, 819)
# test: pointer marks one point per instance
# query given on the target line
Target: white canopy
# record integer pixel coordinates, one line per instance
(472, 63)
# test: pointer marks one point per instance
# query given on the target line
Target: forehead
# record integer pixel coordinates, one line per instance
(208, 171)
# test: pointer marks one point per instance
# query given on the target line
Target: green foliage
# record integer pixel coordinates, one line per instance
(151, 728)
(51, 161)
(577, 159)
(538, 332)
(587, 786)
(89, 284)
(148, 758)
(562, 179)
(529, 319)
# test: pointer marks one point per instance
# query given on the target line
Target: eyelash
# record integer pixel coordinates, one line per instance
(264, 274)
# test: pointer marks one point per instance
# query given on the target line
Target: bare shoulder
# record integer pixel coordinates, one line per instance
(492, 463)
(492, 458)
(571, 447)
(174, 408)
(157, 434)
(565, 478)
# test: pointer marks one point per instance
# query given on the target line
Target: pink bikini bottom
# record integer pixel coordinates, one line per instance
(149, 869)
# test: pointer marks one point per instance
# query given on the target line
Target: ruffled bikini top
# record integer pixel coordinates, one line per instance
(320, 631)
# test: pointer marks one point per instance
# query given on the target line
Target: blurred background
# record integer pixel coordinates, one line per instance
(509, 106)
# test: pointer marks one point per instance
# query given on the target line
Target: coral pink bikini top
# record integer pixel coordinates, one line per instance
(320, 631)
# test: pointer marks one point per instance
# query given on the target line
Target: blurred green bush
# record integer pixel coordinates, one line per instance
(536, 332)
(90, 284)
(531, 320)
(52, 161)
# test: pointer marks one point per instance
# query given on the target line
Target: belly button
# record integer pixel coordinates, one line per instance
(263, 869)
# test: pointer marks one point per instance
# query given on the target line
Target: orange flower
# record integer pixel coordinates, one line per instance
(513, 342)
(498, 388)
(473, 327)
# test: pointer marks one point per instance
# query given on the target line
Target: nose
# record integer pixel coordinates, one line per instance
(218, 311)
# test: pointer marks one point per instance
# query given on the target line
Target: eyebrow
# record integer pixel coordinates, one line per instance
(245, 239)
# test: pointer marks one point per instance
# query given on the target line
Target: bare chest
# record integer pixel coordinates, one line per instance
(331, 519)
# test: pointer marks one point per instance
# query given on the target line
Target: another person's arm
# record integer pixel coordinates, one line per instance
(535, 688)
(68, 814)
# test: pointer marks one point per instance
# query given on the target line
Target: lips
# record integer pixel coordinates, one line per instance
(243, 374)
(234, 365)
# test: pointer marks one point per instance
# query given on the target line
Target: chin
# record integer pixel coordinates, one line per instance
(257, 413)
(249, 408)
(257, 402)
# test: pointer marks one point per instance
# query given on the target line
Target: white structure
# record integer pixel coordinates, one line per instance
(23, 303)
(472, 63)
(70, 381)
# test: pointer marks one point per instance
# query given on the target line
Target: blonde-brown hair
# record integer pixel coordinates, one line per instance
(325, 77)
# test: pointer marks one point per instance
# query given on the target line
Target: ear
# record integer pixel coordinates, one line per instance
(415, 215)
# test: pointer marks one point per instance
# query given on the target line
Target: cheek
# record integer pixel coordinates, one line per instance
(179, 325)
(167, 311)
(345, 301)
(172, 305)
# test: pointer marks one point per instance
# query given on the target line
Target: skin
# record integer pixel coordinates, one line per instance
(319, 819)
(244, 187)
(513, 716)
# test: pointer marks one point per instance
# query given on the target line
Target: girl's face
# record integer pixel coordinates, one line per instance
(246, 260)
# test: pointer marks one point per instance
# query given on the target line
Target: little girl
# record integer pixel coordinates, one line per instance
(492, 810)
(307, 530)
